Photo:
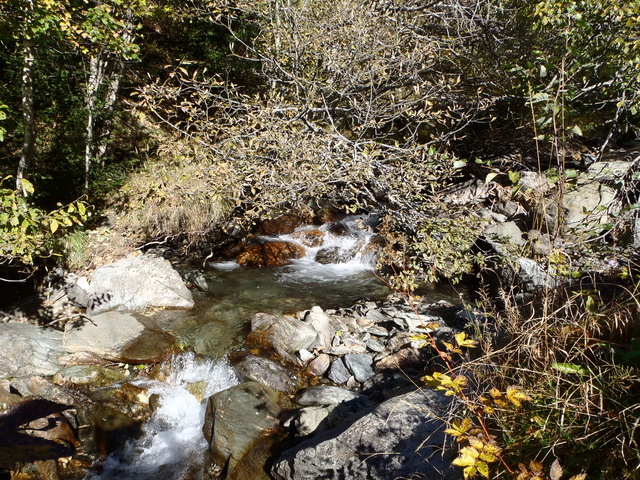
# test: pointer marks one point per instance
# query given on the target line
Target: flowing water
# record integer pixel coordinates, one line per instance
(173, 444)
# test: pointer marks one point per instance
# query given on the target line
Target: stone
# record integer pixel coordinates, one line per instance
(360, 365)
(117, 336)
(533, 273)
(29, 350)
(282, 225)
(272, 254)
(89, 375)
(197, 279)
(78, 291)
(326, 395)
(136, 284)
(308, 419)
(309, 238)
(586, 205)
(286, 336)
(305, 355)
(319, 365)
(260, 319)
(238, 424)
(321, 324)
(608, 170)
(266, 372)
(400, 438)
(338, 372)
(403, 360)
(331, 255)
(500, 234)
(374, 345)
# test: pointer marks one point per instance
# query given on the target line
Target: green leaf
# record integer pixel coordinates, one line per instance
(514, 177)
(570, 368)
(458, 164)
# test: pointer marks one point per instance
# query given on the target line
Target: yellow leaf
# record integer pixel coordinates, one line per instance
(483, 469)
(463, 341)
(476, 443)
(516, 395)
(464, 460)
(580, 476)
(54, 226)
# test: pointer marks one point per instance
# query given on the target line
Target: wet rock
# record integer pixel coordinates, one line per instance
(273, 254)
(282, 225)
(112, 429)
(331, 255)
(285, 335)
(392, 435)
(117, 336)
(197, 279)
(338, 373)
(360, 365)
(266, 372)
(319, 365)
(326, 395)
(29, 350)
(260, 319)
(92, 375)
(310, 238)
(232, 437)
(136, 284)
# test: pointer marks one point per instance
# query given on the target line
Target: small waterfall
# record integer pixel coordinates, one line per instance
(172, 444)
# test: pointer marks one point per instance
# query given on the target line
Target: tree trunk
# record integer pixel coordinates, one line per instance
(28, 144)
(95, 79)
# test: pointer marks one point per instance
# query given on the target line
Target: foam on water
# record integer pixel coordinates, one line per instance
(172, 443)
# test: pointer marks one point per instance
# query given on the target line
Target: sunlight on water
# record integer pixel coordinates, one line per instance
(172, 441)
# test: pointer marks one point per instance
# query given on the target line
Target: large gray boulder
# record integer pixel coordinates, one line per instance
(135, 284)
(238, 424)
(285, 335)
(117, 336)
(28, 350)
(400, 438)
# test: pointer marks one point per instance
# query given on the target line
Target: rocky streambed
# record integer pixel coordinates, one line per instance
(139, 380)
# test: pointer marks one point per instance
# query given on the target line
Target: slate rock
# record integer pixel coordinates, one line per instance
(326, 395)
(237, 421)
(117, 336)
(338, 372)
(29, 350)
(266, 372)
(360, 365)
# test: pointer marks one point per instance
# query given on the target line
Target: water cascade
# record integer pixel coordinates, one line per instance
(172, 443)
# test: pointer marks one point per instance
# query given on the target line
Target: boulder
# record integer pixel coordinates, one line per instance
(586, 205)
(272, 254)
(310, 238)
(281, 225)
(136, 284)
(401, 438)
(338, 372)
(238, 422)
(267, 372)
(29, 350)
(117, 336)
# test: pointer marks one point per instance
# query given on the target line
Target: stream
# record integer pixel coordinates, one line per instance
(172, 444)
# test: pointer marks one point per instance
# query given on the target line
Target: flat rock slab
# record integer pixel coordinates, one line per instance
(117, 336)
(28, 350)
(136, 284)
(400, 438)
